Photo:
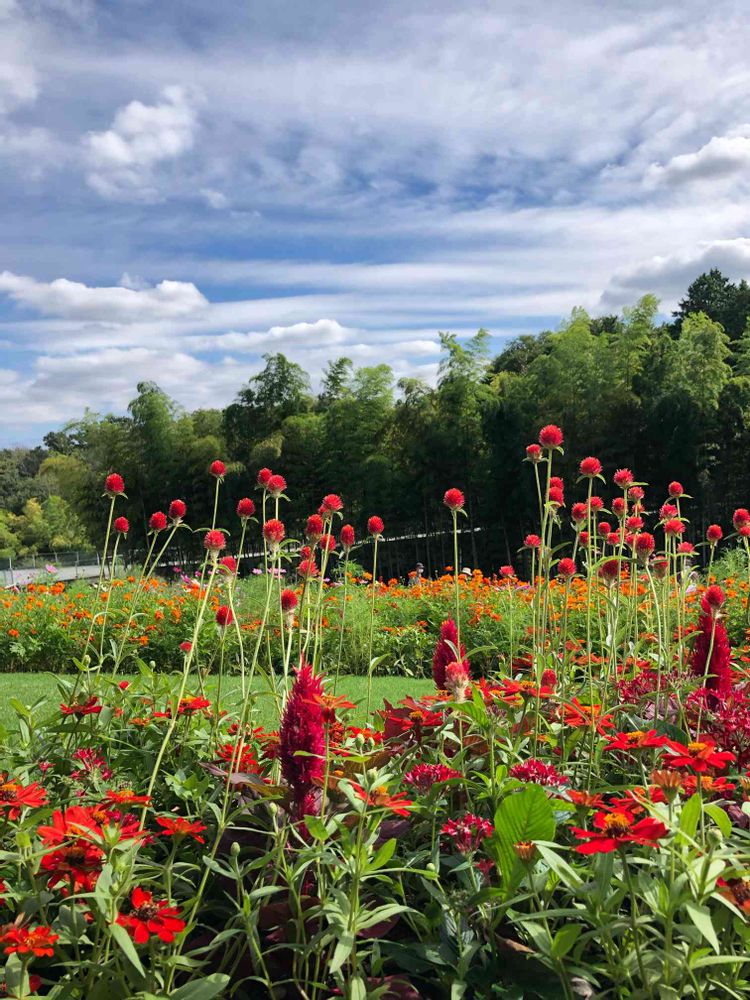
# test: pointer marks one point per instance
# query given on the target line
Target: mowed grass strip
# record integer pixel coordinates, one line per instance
(31, 688)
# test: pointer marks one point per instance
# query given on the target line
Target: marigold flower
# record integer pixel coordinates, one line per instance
(157, 521)
(114, 485)
(276, 485)
(346, 537)
(375, 526)
(590, 467)
(550, 436)
(177, 510)
(615, 829)
(39, 941)
(245, 508)
(332, 503)
(533, 453)
(121, 525)
(149, 916)
(454, 499)
(224, 616)
(218, 469)
(179, 828)
(214, 541)
(623, 478)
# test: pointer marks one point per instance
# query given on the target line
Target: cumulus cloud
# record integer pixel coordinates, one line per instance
(721, 157)
(77, 301)
(123, 159)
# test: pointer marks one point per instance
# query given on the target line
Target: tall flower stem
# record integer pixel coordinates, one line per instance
(372, 623)
(343, 620)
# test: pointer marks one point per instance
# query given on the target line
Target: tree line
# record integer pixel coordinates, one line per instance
(671, 400)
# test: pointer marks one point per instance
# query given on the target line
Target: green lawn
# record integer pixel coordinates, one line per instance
(29, 688)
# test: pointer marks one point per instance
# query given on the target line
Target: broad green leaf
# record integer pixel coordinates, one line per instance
(701, 917)
(690, 815)
(123, 939)
(565, 938)
(202, 989)
(525, 815)
(316, 828)
(342, 951)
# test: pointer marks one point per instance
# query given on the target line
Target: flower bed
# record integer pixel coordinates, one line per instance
(573, 823)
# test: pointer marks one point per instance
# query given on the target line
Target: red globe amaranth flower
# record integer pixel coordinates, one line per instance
(666, 511)
(614, 538)
(634, 523)
(533, 453)
(532, 542)
(229, 563)
(302, 731)
(274, 532)
(604, 529)
(591, 467)
(327, 543)
(578, 512)
(595, 504)
(454, 499)
(550, 436)
(685, 549)
(179, 828)
(263, 477)
(617, 828)
(218, 469)
(177, 510)
(714, 534)
(149, 916)
(276, 485)
(644, 544)
(556, 496)
(741, 518)
(346, 537)
(673, 527)
(468, 832)
(332, 503)
(224, 616)
(536, 772)
(424, 776)
(446, 651)
(636, 493)
(507, 572)
(584, 538)
(214, 541)
(245, 508)
(121, 525)
(609, 570)
(307, 569)
(660, 567)
(619, 507)
(314, 527)
(157, 521)
(675, 489)
(375, 526)
(623, 478)
(186, 646)
(288, 600)
(114, 485)
(712, 636)
(566, 568)
(39, 941)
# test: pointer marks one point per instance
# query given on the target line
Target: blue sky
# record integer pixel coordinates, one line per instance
(186, 186)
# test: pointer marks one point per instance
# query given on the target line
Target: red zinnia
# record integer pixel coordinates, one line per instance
(380, 798)
(114, 484)
(148, 916)
(224, 616)
(375, 526)
(550, 436)
(14, 797)
(177, 510)
(276, 485)
(346, 537)
(218, 469)
(614, 829)
(454, 499)
(635, 740)
(39, 941)
(699, 756)
(591, 466)
(81, 708)
(157, 521)
(179, 828)
(214, 541)
(245, 508)
(121, 525)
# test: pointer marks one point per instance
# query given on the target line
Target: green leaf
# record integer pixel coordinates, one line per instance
(383, 855)
(719, 817)
(525, 815)
(565, 938)
(701, 917)
(342, 951)
(690, 815)
(202, 989)
(123, 939)
(316, 828)
(357, 989)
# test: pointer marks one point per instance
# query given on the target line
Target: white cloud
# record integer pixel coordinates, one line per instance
(76, 301)
(123, 160)
(723, 156)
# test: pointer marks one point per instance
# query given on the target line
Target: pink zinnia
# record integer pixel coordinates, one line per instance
(550, 436)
